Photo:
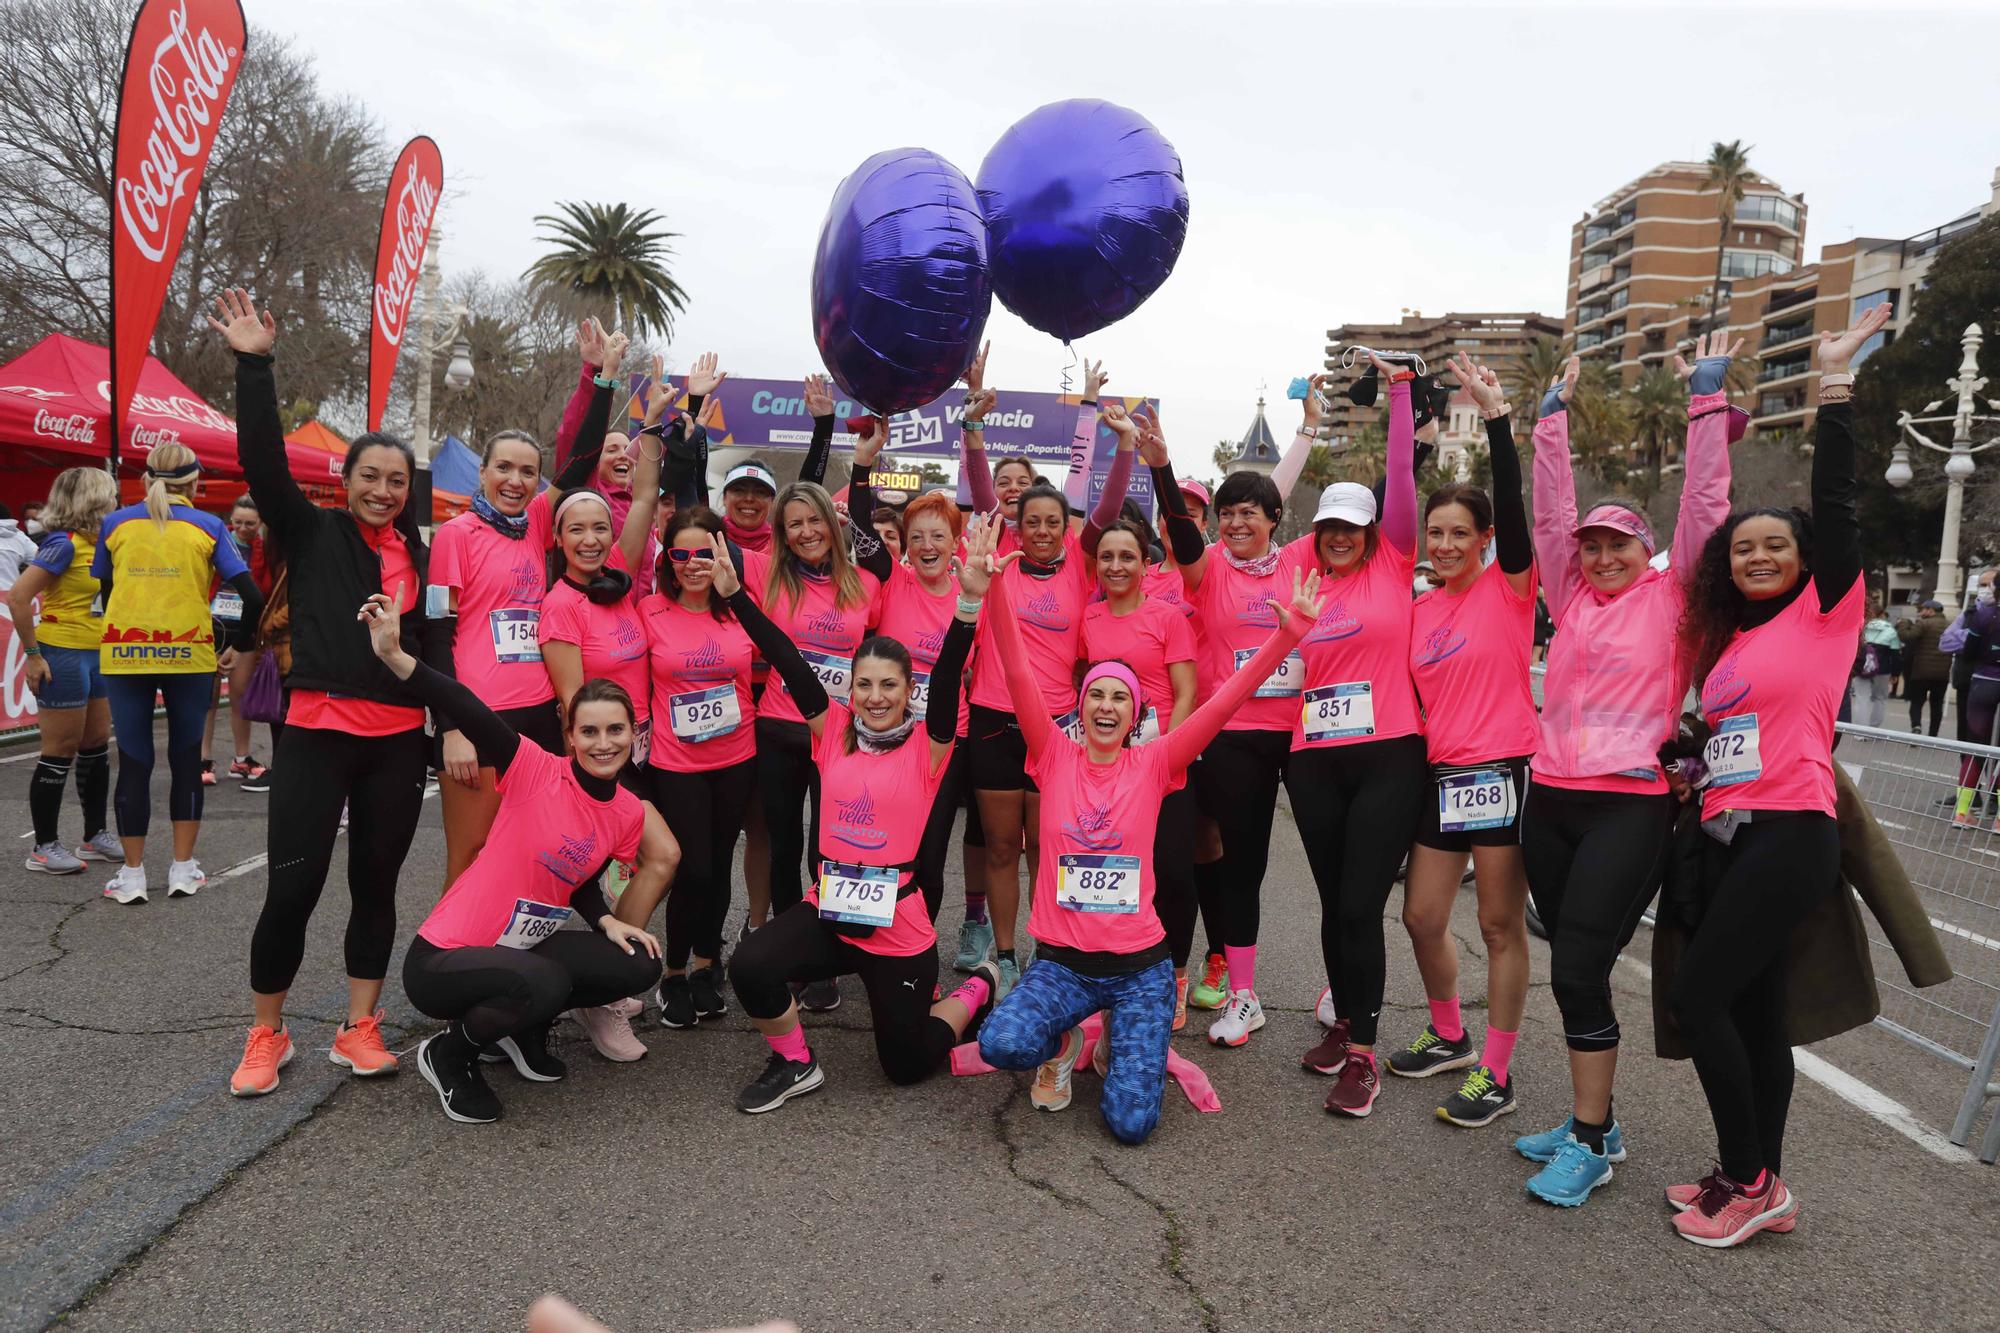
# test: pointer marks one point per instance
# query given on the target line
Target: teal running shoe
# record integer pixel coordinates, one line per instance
(1569, 1178)
(1544, 1147)
(975, 940)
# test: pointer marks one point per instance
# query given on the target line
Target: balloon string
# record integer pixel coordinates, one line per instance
(1070, 348)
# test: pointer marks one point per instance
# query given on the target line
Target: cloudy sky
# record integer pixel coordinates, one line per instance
(1343, 162)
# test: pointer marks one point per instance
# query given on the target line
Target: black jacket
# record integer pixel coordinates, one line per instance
(331, 567)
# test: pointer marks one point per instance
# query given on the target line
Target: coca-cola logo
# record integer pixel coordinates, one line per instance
(150, 439)
(185, 78)
(17, 701)
(76, 428)
(35, 392)
(416, 202)
(189, 411)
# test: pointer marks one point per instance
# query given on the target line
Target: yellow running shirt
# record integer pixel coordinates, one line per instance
(71, 617)
(157, 619)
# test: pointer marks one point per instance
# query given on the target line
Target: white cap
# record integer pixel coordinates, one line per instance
(1348, 501)
(750, 472)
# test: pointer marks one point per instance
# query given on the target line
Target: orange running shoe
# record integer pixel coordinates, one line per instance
(264, 1054)
(358, 1046)
(1180, 1002)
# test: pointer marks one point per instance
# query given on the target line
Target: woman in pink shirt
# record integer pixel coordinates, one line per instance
(1595, 823)
(1100, 941)
(492, 958)
(1469, 646)
(1152, 637)
(1776, 606)
(865, 913)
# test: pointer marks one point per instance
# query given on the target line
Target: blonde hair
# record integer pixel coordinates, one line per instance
(78, 501)
(785, 566)
(168, 458)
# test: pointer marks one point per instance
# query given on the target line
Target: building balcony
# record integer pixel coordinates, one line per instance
(1796, 296)
(1594, 232)
(1789, 333)
(1784, 370)
(1592, 277)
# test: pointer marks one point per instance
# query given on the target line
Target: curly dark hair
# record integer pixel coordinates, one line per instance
(1715, 605)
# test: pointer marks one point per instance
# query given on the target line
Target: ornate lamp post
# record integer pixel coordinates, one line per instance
(430, 343)
(1958, 465)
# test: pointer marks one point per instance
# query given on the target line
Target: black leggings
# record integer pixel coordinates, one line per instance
(186, 699)
(1920, 690)
(1239, 775)
(1174, 895)
(794, 946)
(935, 849)
(493, 992)
(381, 781)
(786, 775)
(1978, 705)
(1357, 808)
(1729, 994)
(705, 813)
(1594, 860)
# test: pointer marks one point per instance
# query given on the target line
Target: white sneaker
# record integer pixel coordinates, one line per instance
(1051, 1089)
(104, 847)
(184, 877)
(52, 858)
(1323, 1011)
(128, 885)
(1240, 1017)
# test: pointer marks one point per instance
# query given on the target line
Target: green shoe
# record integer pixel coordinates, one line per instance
(1212, 991)
(975, 941)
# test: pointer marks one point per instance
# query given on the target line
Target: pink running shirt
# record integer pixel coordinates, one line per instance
(1233, 617)
(1163, 583)
(910, 615)
(1469, 656)
(1357, 685)
(548, 839)
(495, 650)
(1152, 638)
(1051, 615)
(613, 640)
(1098, 823)
(825, 634)
(700, 669)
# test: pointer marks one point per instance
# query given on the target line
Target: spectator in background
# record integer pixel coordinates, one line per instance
(17, 548)
(246, 530)
(1545, 628)
(1926, 667)
(889, 528)
(1878, 658)
(31, 519)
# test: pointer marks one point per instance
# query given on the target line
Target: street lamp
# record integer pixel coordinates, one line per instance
(1958, 466)
(430, 343)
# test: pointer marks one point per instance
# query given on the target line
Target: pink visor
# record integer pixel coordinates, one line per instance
(1619, 519)
(1198, 491)
(1117, 671)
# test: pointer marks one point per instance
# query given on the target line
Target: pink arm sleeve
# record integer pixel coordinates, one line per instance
(1116, 481)
(572, 417)
(1555, 513)
(978, 476)
(1399, 489)
(1286, 475)
(1186, 742)
(1022, 688)
(1076, 486)
(1705, 492)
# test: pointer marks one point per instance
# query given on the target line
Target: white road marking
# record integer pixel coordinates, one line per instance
(1870, 1101)
(1963, 933)
(1890, 823)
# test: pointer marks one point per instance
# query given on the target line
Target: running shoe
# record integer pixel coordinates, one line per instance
(1331, 1053)
(1680, 1198)
(1100, 1054)
(1571, 1175)
(1353, 1092)
(1010, 975)
(630, 1007)
(52, 858)
(1543, 1147)
(1964, 819)
(610, 1031)
(208, 772)
(1212, 991)
(708, 1002)
(264, 1053)
(359, 1046)
(446, 1063)
(1724, 1214)
(184, 877)
(529, 1050)
(989, 970)
(676, 997)
(1051, 1089)
(781, 1081)
(102, 846)
(975, 940)
(1431, 1054)
(128, 885)
(1243, 1017)
(1180, 1003)
(820, 997)
(1478, 1101)
(262, 781)
(1324, 1010)
(245, 768)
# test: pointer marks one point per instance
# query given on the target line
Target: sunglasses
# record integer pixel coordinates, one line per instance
(680, 555)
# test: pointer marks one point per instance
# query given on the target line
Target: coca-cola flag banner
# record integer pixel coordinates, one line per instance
(180, 67)
(407, 211)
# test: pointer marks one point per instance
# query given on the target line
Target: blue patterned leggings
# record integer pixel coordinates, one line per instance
(1027, 1029)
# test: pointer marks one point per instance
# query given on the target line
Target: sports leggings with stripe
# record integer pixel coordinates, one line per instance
(186, 696)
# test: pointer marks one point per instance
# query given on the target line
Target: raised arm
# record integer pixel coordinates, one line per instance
(1186, 742)
(1555, 495)
(1293, 463)
(1511, 544)
(495, 741)
(1083, 440)
(1836, 558)
(1705, 490)
(1190, 549)
(1399, 494)
(260, 435)
(979, 401)
(590, 348)
(869, 552)
(819, 401)
(1029, 709)
(1116, 481)
(772, 643)
(648, 451)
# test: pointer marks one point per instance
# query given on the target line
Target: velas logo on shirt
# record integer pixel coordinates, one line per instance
(527, 584)
(854, 823)
(1439, 644)
(1093, 829)
(572, 861)
(626, 636)
(1044, 611)
(929, 644)
(1722, 691)
(707, 657)
(1256, 611)
(824, 627)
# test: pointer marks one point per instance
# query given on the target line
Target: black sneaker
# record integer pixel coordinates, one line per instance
(1431, 1054)
(1478, 1101)
(530, 1053)
(676, 1003)
(446, 1063)
(260, 781)
(781, 1081)
(820, 997)
(708, 1001)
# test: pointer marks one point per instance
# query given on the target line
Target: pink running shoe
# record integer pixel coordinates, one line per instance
(611, 1033)
(1723, 1215)
(1680, 1198)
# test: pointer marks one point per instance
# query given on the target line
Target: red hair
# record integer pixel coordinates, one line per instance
(934, 503)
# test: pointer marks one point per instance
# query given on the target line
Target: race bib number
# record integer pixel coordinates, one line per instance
(920, 694)
(1070, 724)
(642, 742)
(1149, 728)
(1335, 712)
(1091, 883)
(1733, 754)
(863, 895)
(702, 715)
(1480, 800)
(532, 923)
(1284, 683)
(514, 634)
(835, 673)
(228, 605)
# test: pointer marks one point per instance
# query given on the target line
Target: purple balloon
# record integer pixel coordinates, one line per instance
(1086, 210)
(900, 291)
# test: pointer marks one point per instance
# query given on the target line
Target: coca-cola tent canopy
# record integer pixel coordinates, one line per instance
(55, 411)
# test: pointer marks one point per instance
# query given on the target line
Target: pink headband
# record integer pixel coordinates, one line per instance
(1117, 671)
(572, 498)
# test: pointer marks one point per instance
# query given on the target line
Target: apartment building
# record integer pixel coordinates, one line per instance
(1495, 338)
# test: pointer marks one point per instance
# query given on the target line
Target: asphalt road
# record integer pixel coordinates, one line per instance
(138, 1194)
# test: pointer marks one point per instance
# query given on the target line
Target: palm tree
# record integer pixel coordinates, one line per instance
(1320, 468)
(1600, 418)
(1728, 172)
(611, 254)
(1528, 378)
(1658, 407)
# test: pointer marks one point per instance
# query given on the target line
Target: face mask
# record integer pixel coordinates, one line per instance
(1985, 597)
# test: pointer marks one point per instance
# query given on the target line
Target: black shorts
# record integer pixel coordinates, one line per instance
(1503, 835)
(999, 752)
